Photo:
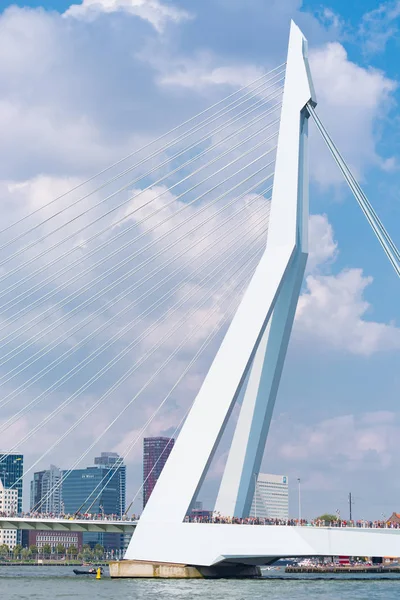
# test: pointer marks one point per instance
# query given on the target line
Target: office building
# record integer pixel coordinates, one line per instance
(107, 459)
(8, 507)
(45, 497)
(271, 497)
(46, 491)
(155, 453)
(11, 471)
(100, 489)
(52, 539)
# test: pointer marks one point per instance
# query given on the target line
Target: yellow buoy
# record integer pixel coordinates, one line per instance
(98, 574)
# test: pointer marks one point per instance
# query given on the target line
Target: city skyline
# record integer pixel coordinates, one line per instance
(97, 489)
(263, 505)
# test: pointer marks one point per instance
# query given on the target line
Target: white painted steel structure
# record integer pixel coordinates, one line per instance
(253, 350)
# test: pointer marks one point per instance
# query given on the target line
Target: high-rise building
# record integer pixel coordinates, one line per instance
(8, 507)
(271, 497)
(107, 459)
(46, 491)
(36, 495)
(46, 498)
(100, 489)
(11, 471)
(155, 453)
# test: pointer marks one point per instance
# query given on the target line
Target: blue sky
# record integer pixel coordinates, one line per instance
(80, 90)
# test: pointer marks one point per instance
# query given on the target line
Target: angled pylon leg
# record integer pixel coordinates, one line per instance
(243, 465)
(238, 483)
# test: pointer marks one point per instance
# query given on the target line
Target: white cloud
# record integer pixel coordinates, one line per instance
(200, 73)
(378, 26)
(69, 105)
(351, 100)
(332, 312)
(331, 19)
(351, 439)
(322, 246)
(154, 12)
(48, 115)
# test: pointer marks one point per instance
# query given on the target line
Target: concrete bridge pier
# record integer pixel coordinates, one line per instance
(147, 569)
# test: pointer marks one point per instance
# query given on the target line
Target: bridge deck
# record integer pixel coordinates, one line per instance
(83, 525)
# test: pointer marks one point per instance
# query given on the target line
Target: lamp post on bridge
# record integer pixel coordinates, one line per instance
(255, 495)
(299, 486)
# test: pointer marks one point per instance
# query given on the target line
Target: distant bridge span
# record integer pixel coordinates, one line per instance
(83, 525)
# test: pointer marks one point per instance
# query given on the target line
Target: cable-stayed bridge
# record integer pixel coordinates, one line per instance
(117, 288)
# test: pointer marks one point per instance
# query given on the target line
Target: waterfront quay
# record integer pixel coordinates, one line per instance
(343, 569)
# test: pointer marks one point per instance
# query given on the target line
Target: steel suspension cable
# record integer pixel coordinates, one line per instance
(73, 219)
(149, 144)
(100, 278)
(106, 479)
(177, 428)
(40, 354)
(349, 176)
(168, 360)
(149, 310)
(99, 350)
(174, 434)
(180, 239)
(68, 267)
(243, 268)
(232, 162)
(49, 367)
(376, 224)
(357, 185)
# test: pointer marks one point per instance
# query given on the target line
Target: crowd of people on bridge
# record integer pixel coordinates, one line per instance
(212, 518)
(362, 523)
(67, 516)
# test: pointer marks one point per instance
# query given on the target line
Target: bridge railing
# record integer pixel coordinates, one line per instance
(67, 517)
(361, 523)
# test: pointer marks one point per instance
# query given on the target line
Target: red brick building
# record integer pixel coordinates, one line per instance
(52, 538)
(155, 453)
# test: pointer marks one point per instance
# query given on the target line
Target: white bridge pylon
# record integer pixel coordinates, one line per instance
(253, 350)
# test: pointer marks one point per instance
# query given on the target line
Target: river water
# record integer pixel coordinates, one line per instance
(51, 583)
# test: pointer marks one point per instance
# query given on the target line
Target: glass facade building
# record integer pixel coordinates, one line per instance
(271, 497)
(46, 491)
(36, 489)
(100, 489)
(11, 470)
(155, 453)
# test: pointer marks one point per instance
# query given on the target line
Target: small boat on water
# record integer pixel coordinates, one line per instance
(91, 571)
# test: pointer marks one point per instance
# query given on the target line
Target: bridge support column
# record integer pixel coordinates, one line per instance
(153, 570)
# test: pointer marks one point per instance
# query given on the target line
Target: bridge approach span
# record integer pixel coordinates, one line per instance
(83, 525)
(222, 544)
